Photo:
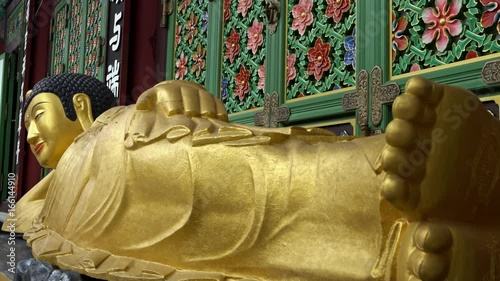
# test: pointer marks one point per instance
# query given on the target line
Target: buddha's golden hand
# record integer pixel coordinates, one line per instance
(182, 98)
(172, 110)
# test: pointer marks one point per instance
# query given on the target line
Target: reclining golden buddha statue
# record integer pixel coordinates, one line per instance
(168, 189)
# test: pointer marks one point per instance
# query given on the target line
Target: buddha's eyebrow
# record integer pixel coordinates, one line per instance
(33, 108)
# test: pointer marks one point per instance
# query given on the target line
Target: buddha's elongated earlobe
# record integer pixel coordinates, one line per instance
(83, 109)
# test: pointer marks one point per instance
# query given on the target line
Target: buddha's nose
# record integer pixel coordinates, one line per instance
(33, 134)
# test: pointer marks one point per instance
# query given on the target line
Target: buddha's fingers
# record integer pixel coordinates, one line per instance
(183, 98)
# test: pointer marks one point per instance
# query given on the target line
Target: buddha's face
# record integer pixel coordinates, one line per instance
(50, 132)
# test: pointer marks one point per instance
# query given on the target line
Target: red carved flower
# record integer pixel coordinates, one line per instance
(181, 67)
(290, 70)
(262, 76)
(227, 10)
(242, 87)
(192, 29)
(302, 16)
(183, 5)
(441, 23)
(255, 36)
(471, 55)
(491, 13)
(232, 45)
(243, 6)
(399, 41)
(319, 61)
(199, 60)
(337, 8)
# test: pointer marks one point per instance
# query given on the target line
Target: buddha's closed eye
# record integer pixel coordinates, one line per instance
(38, 115)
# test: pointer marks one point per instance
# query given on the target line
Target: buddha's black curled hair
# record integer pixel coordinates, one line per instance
(66, 85)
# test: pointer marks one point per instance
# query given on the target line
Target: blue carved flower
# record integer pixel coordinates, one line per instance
(201, 1)
(336, 87)
(204, 17)
(224, 89)
(350, 48)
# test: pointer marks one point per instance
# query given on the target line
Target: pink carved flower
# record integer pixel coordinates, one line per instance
(242, 87)
(181, 67)
(243, 6)
(227, 10)
(399, 41)
(441, 23)
(199, 60)
(262, 76)
(232, 45)
(183, 5)
(337, 8)
(290, 70)
(415, 67)
(491, 13)
(178, 31)
(255, 36)
(302, 16)
(319, 61)
(192, 29)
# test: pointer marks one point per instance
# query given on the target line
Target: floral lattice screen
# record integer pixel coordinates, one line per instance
(244, 49)
(191, 40)
(59, 41)
(92, 37)
(430, 33)
(321, 46)
(75, 36)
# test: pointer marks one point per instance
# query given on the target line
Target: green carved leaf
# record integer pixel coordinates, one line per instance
(474, 37)
(244, 58)
(330, 32)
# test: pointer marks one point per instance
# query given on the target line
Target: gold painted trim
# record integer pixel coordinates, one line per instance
(246, 111)
(334, 92)
(496, 99)
(443, 67)
(351, 121)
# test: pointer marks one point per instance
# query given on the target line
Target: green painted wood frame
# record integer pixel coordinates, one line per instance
(323, 109)
(311, 111)
(214, 46)
(59, 8)
(83, 43)
(373, 48)
(466, 74)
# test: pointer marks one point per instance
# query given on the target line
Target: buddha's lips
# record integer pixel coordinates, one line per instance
(38, 147)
